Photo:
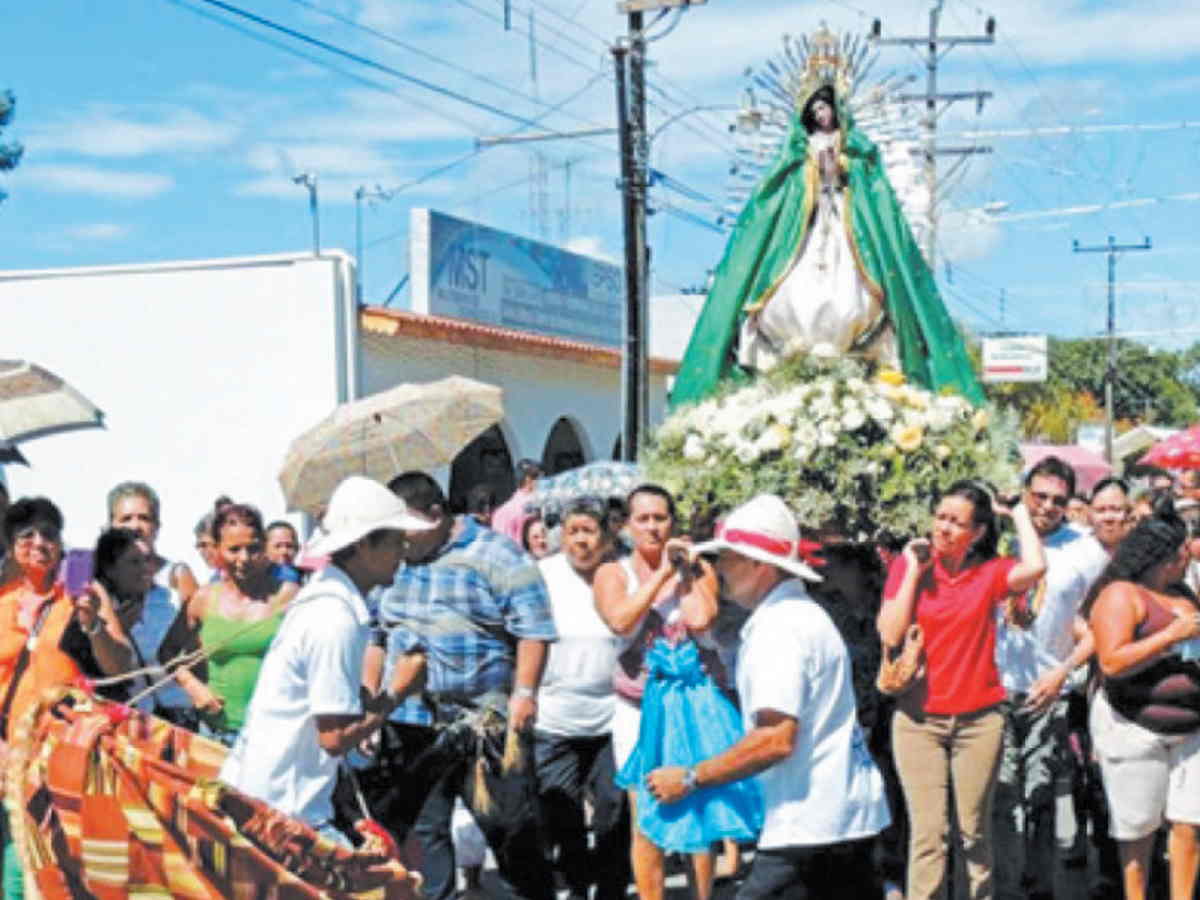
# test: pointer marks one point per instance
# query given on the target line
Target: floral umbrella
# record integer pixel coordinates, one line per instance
(595, 479)
(35, 402)
(1179, 451)
(410, 426)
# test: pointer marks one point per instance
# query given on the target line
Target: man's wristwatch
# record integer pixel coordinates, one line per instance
(690, 780)
(522, 691)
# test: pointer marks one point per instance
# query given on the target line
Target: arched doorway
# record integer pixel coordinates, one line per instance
(485, 460)
(563, 449)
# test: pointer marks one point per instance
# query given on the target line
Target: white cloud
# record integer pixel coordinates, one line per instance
(70, 179)
(967, 234)
(593, 246)
(114, 132)
(97, 231)
(286, 160)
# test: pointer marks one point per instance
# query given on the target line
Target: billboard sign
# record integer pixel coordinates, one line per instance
(1015, 358)
(468, 271)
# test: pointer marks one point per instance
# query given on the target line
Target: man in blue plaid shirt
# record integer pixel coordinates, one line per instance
(475, 605)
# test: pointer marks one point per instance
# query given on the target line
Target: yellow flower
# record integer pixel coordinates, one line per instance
(941, 451)
(907, 437)
(980, 420)
(782, 435)
(890, 376)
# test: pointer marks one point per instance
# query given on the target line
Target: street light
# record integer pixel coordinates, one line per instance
(309, 181)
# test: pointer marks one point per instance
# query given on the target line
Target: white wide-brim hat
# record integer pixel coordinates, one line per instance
(357, 507)
(765, 529)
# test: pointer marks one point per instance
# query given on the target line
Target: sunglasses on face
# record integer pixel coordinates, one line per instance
(1059, 500)
(47, 533)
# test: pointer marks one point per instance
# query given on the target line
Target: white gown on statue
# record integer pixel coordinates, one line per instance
(822, 299)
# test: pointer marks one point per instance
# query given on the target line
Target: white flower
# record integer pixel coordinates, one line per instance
(805, 432)
(822, 406)
(824, 350)
(939, 419)
(856, 386)
(746, 452)
(879, 409)
(693, 447)
(827, 434)
(803, 450)
(853, 418)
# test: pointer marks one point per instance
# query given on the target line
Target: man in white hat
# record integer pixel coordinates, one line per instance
(823, 795)
(308, 706)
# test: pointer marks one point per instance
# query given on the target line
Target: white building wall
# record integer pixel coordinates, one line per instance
(205, 371)
(537, 390)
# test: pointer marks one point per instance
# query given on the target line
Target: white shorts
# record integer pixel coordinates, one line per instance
(626, 723)
(1148, 777)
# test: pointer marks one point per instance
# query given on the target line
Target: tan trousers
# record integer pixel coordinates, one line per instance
(935, 754)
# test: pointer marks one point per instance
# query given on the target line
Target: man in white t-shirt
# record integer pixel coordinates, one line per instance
(308, 707)
(1035, 659)
(822, 793)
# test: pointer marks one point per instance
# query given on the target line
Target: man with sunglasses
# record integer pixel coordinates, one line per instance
(1036, 652)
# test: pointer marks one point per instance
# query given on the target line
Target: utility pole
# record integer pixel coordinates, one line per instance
(309, 181)
(933, 44)
(1112, 248)
(633, 193)
(629, 61)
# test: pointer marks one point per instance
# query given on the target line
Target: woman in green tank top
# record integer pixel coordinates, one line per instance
(234, 619)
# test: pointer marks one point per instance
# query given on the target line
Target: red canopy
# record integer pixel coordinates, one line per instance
(1179, 451)
(1089, 466)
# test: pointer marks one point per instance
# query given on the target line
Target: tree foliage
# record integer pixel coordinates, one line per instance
(10, 151)
(1160, 387)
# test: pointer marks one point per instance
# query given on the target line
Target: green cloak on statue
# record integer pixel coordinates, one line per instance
(773, 232)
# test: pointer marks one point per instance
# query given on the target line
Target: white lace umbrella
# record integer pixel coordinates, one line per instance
(35, 402)
(410, 426)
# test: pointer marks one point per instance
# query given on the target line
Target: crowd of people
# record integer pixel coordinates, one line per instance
(602, 695)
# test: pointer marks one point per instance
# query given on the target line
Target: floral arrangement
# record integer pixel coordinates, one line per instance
(853, 449)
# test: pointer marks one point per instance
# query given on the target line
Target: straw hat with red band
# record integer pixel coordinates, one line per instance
(764, 529)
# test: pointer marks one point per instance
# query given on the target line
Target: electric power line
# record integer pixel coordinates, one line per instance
(432, 57)
(368, 62)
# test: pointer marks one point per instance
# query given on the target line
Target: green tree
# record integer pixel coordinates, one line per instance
(10, 152)
(1158, 386)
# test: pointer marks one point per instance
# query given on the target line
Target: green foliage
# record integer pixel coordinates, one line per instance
(1152, 386)
(852, 450)
(10, 152)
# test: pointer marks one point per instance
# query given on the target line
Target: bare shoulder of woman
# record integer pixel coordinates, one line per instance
(1119, 599)
(197, 604)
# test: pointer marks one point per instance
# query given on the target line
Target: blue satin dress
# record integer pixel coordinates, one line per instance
(685, 720)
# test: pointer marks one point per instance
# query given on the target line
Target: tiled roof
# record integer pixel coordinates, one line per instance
(395, 323)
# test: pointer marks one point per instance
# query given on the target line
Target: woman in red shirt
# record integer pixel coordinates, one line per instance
(947, 730)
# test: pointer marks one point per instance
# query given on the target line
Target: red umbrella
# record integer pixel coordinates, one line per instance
(1179, 451)
(1089, 467)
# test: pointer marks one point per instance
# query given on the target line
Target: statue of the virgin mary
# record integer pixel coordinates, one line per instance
(823, 255)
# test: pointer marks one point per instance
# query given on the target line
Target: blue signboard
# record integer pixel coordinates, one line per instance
(469, 271)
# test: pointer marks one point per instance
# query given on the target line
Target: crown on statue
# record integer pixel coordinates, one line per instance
(821, 59)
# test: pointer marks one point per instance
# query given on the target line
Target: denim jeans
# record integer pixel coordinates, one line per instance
(799, 873)
(568, 770)
(413, 788)
(1033, 758)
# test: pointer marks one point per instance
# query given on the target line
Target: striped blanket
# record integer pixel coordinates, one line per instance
(108, 803)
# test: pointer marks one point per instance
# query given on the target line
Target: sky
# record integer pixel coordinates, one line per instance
(172, 129)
